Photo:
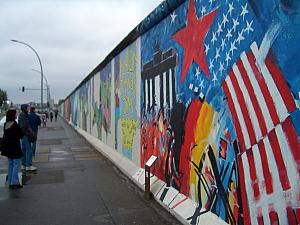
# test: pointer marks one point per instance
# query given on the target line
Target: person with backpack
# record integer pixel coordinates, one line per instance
(11, 148)
(29, 136)
(34, 122)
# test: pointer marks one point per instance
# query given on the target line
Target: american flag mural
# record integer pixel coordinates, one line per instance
(228, 49)
(261, 103)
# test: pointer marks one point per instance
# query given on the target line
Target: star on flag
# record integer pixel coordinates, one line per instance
(191, 39)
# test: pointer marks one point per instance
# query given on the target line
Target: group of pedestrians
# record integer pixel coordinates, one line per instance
(51, 114)
(19, 142)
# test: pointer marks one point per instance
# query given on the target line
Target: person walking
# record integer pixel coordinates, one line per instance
(47, 115)
(34, 123)
(51, 116)
(56, 114)
(11, 148)
(23, 121)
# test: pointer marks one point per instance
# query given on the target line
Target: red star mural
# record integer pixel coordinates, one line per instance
(191, 39)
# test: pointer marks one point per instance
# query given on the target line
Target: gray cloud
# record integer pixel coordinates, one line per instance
(71, 37)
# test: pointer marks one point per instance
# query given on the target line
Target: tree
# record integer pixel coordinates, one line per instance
(3, 97)
(60, 101)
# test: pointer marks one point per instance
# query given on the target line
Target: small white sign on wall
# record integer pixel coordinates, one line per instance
(151, 160)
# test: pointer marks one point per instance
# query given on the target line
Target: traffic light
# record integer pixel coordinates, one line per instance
(23, 89)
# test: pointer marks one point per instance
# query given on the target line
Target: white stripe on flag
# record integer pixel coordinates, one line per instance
(258, 93)
(281, 109)
(282, 213)
(249, 104)
(259, 170)
(265, 213)
(288, 159)
(273, 166)
(249, 190)
(278, 195)
(238, 112)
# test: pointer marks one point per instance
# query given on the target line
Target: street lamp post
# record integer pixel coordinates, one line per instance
(47, 85)
(40, 66)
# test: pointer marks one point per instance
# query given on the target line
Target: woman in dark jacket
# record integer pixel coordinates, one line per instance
(11, 148)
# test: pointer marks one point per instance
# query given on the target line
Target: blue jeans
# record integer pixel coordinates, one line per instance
(13, 171)
(27, 152)
(33, 147)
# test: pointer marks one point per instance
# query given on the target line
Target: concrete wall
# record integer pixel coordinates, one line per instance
(211, 88)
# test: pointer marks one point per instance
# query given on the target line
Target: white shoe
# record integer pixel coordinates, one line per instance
(31, 168)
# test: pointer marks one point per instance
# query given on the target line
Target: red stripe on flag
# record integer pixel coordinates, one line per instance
(234, 117)
(285, 183)
(291, 216)
(281, 85)
(242, 102)
(273, 218)
(243, 191)
(266, 170)
(292, 137)
(262, 123)
(253, 175)
(264, 89)
(298, 215)
(260, 220)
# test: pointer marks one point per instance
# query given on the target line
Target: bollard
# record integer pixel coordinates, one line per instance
(148, 165)
(147, 183)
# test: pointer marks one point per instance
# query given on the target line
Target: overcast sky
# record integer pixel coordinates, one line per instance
(71, 38)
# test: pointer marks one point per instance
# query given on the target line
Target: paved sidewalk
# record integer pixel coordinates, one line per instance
(75, 185)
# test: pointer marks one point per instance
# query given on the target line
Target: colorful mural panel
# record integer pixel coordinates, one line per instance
(127, 121)
(220, 110)
(83, 106)
(117, 97)
(105, 98)
(219, 106)
(100, 93)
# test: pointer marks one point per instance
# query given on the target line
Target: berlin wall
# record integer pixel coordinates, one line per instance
(212, 89)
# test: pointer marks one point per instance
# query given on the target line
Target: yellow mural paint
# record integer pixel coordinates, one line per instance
(202, 133)
(129, 127)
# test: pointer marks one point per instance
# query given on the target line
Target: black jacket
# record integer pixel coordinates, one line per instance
(23, 121)
(11, 146)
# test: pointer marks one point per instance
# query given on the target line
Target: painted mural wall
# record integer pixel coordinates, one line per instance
(127, 113)
(212, 90)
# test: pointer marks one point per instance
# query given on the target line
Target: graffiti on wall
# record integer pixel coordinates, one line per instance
(219, 106)
(101, 102)
(117, 97)
(223, 140)
(125, 93)
(105, 98)
(83, 105)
